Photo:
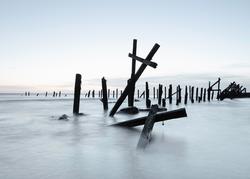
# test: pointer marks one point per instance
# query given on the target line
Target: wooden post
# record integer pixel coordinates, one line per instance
(116, 93)
(209, 91)
(164, 102)
(113, 93)
(60, 93)
(148, 102)
(159, 94)
(170, 94)
(105, 96)
(212, 95)
(132, 87)
(201, 94)
(99, 93)
(204, 98)
(77, 94)
(186, 95)
(134, 79)
(197, 94)
(93, 94)
(138, 93)
(154, 91)
(192, 95)
(218, 92)
(46, 94)
(165, 92)
(108, 93)
(177, 95)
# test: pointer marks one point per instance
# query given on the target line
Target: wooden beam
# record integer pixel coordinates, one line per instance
(149, 63)
(162, 116)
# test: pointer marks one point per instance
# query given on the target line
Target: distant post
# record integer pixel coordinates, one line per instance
(159, 94)
(77, 94)
(170, 94)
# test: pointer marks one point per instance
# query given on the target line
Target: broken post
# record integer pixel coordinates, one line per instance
(104, 94)
(77, 94)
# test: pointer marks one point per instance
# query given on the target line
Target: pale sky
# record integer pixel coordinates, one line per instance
(45, 42)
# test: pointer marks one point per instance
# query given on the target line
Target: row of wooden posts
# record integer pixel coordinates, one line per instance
(46, 94)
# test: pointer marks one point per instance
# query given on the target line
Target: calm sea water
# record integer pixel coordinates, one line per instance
(212, 142)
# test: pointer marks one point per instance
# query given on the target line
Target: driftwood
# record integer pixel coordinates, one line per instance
(162, 116)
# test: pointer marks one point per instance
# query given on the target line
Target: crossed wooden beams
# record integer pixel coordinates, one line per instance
(145, 62)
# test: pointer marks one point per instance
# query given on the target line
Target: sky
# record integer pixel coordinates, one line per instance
(44, 43)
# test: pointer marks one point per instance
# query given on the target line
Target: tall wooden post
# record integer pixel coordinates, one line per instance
(204, 97)
(132, 86)
(104, 94)
(218, 92)
(154, 92)
(170, 94)
(165, 92)
(197, 94)
(186, 95)
(148, 102)
(77, 94)
(192, 95)
(159, 94)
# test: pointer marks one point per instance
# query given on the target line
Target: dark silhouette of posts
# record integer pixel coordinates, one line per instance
(134, 79)
(77, 94)
(132, 86)
(170, 94)
(160, 94)
(105, 96)
(148, 102)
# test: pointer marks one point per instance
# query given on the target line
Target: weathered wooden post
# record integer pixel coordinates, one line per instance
(197, 94)
(105, 96)
(108, 93)
(218, 93)
(209, 91)
(170, 94)
(201, 94)
(164, 102)
(54, 93)
(154, 92)
(148, 102)
(99, 93)
(116, 93)
(165, 92)
(113, 93)
(138, 93)
(89, 93)
(212, 94)
(132, 86)
(159, 94)
(192, 95)
(60, 93)
(177, 95)
(93, 94)
(204, 97)
(77, 94)
(186, 95)
(46, 94)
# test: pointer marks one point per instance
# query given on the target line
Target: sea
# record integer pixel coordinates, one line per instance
(212, 142)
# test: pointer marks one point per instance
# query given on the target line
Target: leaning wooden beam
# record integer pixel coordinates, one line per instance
(133, 80)
(162, 116)
(149, 63)
(148, 127)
